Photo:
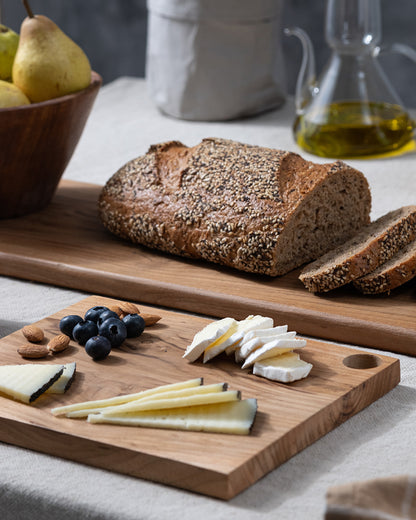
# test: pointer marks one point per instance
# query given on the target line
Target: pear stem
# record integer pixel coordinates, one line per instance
(28, 9)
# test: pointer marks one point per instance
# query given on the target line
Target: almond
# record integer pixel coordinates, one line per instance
(128, 308)
(150, 319)
(58, 343)
(33, 333)
(116, 309)
(33, 351)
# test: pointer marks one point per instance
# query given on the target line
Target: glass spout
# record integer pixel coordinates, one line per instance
(306, 84)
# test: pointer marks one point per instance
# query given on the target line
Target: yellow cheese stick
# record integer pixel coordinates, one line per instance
(178, 402)
(102, 403)
(173, 394)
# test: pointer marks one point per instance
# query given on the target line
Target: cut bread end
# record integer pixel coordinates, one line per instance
(325, 219)
(395, 272)
(374, 245)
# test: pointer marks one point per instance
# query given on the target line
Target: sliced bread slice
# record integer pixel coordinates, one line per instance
(395, 272)
(371, 247)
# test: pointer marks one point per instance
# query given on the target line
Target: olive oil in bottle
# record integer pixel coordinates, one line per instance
(354, 129)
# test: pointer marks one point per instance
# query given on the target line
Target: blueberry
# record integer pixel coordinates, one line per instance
(105, 315)
(98, 347)
(94, 313)
(135, 325)
(114, 330)
(67, 324)
(84, 330)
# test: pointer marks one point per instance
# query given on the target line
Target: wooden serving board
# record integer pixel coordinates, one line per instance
(342, 382)
(66, 245)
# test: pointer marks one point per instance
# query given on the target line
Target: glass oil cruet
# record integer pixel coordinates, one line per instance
(352, 110)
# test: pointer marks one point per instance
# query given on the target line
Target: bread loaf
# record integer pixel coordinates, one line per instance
(251, 208)
(374, 245)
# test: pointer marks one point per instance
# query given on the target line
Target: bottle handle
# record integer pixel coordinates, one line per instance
(306, 84)
(398, 48)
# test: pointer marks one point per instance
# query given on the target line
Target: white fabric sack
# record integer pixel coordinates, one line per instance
(215, 59)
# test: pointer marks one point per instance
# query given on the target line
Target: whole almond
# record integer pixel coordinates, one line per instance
(33, 333)
(128, 308)
(58, 343)
(116, 309)
(150, 319)
(33, 351)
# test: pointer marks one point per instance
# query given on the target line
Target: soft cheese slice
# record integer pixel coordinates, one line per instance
(264, 333)
(258, 341)
(119, 399)
(175, 402)
(208, 335)
(260, 332)
(62, 384)
(273, 348)
(236, 417)
(173, 394)
(285, 368)
(27, 382)
(219, 345)
(232, 340)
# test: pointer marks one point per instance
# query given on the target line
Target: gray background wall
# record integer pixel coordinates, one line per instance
(113, 34)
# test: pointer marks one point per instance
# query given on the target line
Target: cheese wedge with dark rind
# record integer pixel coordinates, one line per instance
(62, 384)
(236, 417)
(26, 383)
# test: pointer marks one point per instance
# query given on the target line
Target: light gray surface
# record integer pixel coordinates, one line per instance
(377, 442)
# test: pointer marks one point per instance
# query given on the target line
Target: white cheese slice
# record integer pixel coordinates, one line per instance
(273, 348)
(235, 334)
(256, 342)
(27, 382)
(264, 333)
(173, 394)
(285, 368)
(119, 399)
(236, 417)
(219, 345)
(206, 337)
(243, 327)
(175, 402)
(62, 384)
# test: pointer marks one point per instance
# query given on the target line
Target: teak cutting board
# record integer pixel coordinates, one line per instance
(290, 416)
(66, 245)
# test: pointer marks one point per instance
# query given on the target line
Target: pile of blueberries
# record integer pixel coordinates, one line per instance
(101, 329)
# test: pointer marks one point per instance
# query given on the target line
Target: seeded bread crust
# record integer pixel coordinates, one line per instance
(395, 272)
(371, 247)
(251, 208)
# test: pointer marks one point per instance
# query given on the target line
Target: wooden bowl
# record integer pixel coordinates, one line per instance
(36, 144)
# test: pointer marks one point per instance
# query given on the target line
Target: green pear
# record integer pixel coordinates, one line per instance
(9, 41)
(11, 96)
(48, 64)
